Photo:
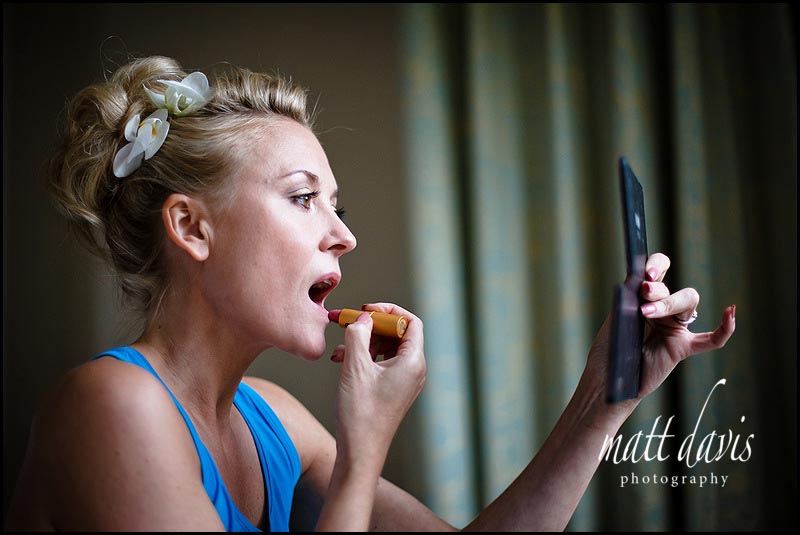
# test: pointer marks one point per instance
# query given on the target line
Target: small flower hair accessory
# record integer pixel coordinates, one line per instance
(145, 140)
(179, 99)
(184, 97)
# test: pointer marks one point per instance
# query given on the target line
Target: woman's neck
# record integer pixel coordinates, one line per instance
(198, 356)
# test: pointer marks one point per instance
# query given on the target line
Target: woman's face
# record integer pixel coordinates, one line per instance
(275, 248)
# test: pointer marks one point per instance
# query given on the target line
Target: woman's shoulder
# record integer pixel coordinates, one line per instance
(103, 388)
(290, 410)
(110, 429)
(116, 404)
(309, 436)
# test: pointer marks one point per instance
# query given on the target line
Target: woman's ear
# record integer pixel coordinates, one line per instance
(185, 222)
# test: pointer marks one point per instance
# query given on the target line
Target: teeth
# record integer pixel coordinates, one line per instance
(319, 289)
(323, 285)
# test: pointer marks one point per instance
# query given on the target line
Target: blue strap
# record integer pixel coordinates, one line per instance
(280, 464)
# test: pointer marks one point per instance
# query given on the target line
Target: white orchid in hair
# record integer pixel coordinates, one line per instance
(180, 98)
(184, 97)
(145, 140)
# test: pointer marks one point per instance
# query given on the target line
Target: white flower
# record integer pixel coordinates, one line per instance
(145, 140)
(182, 97)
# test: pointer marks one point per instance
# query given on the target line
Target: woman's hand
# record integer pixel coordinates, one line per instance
(667, 341)
(375, 395)
(373, 398)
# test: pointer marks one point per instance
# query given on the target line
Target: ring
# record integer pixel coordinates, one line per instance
(686, 322)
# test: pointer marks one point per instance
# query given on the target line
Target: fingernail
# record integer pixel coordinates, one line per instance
(652, 274)
(646, 287)
(733, 312)
(648, 308)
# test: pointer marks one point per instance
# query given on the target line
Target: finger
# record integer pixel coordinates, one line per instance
(716, 339)
(338, 353)
(383, 346)
(654, 291)
(356, 341)
(656, 267)
(682, 303)
(410, 348)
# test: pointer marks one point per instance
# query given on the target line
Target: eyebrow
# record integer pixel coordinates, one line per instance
(311, 176)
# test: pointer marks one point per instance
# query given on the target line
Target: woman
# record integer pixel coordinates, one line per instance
(217, 206)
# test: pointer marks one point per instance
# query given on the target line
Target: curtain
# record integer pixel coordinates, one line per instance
(515, 116)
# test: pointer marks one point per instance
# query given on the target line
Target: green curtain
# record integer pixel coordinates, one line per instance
(516, 115)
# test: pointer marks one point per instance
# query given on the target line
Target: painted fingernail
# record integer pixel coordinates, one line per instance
(733, 312)
(652, 274)
(648, 308)
(646, 287)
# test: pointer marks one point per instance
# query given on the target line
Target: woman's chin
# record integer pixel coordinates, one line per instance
(310, 352)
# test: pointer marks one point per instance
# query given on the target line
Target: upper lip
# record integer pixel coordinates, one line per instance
(331, 280)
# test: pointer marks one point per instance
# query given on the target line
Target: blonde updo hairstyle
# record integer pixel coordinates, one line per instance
(120, 218)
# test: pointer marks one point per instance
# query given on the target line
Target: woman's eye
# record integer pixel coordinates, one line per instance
(305, 199)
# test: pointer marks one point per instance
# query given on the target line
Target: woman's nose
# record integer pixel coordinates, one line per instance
(340, 237)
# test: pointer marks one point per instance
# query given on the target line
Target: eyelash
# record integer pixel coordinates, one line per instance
(305, 199)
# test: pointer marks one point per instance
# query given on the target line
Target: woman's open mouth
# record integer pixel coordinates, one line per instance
(320, 289)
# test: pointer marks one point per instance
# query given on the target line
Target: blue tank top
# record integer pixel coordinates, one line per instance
(280, 463)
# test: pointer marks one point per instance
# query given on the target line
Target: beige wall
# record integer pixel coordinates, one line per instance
(60, 307)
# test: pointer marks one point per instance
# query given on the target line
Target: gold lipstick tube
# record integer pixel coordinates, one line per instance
(382, 324)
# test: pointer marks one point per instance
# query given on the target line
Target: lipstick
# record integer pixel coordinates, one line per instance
(382, 324)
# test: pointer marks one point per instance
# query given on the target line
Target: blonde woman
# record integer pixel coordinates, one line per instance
(216, 205)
